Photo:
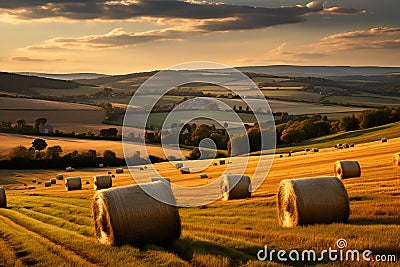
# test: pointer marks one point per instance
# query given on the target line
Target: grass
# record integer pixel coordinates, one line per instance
(49, 226)
(353, 137)
(365, 100)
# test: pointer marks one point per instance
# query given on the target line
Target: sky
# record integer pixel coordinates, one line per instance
(124, 36)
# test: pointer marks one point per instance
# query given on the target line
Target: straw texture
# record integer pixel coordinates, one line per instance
(235, 186)
(347, 169)
(3, 198)
(396, 160)
(102, 182)
(312, 200)
(73, 183)
(129, 215)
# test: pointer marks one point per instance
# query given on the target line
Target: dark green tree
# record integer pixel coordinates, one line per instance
(39, 144)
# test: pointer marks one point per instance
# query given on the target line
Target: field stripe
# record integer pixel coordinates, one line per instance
(67, 255)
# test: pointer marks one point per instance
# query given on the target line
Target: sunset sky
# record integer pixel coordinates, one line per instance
(125, 36)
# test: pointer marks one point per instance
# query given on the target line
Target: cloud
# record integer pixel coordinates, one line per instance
(116, 38)
(374, 38)
(208, 16)
(28, 59)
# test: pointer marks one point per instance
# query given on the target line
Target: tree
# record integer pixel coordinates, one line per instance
(39, 121)
(349, 123)
(53, 152)
(108, 154)
(20, 153)
(292, 135)
(20, 123)
(110, 132)
(202, 131)
(39, 144)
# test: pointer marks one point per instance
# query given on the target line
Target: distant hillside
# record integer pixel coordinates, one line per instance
(116, 78)
(318, 71)
(65, 76)
(16, 83)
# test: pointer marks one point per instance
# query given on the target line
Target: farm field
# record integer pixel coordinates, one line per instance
(353, 137)
(49, 226)
(67, 117)
(81, 90)
(10, 141)
(366, 100)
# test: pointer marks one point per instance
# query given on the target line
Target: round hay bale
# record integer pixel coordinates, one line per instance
(384, 140)
(312, 200)
(128, 215)
(102, 182)
(221, 162)
(25, 185)
(281, 156)
(87, 182)
(101, 165)
(33, 180)
(346, 145)
(351, 145)
(185, 170)
(112, 176)
(235, 186)
(3, 198)
(60, 177)
(109, 172)
(47, 184)
(119, 170)
(141, 169)
(307, 149)
(53, 181)
(31, 187)
(315, 149)
(347, 169)
(396, 160)
(203, 176)
(163, 179)
(39, 182)
(179, 165)
(69, 169)
(73, 183)
(215, 164)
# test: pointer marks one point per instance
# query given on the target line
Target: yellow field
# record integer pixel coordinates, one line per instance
(10, 141)
(57, 224)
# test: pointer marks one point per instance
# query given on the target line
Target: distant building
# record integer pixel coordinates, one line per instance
(46, 129)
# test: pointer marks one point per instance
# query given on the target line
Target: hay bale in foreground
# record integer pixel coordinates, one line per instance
(102, 182)
(396, 160)
(69, 169)
(312, 200)
(3, 198)
(179, 165)
(60, 177)
(235, 186)
(185, 170)
(53, 181)
(163, 179)
(47, 184)
(347, 169)
(119, 170)
(128, 215)
(73, 183)
(203, 176)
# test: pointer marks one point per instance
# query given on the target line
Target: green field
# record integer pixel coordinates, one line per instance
(353, 137)
(365, 100)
